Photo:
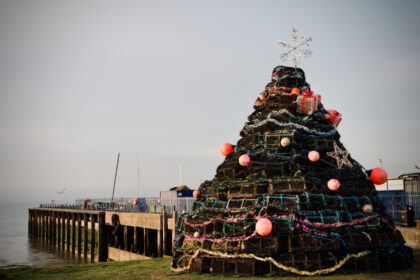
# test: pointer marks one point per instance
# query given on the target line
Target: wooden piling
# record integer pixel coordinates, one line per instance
(92, 238)
(42, 225)
(73, 236)
(58, 229)
(85, 241)
(103, 243)
(146, 241)
(63, 230)
(165, 232)
(68, 231)
(50, 230)
(129, 239)
(159, 237)
(79, 234)
(140, 240)
(54, 228)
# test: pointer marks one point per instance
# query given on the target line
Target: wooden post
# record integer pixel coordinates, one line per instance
(47, 226)
(79, 234)
(36, 224)
(165, 232)
(125, 238)
(68, 231)
(58, 229)
(30, 223)
(73, 232)
(54, 228)
(63, 231)
(159, 238)
(140, 240)
(39, 225)
(103, 244)
(92, 237)
(51, 215)
(145, 241)
(42, 223)
(135, 241)
(85, 241)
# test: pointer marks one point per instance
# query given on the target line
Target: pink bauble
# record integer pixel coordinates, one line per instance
(196, 193)
(313, 156)
(285, 142)
(264, 227)
(378, 176)
(367, 208)
(333, 184)
(196, 234)
(244, 160)
(226, 149)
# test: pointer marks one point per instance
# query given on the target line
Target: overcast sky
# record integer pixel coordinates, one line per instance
(81, 81)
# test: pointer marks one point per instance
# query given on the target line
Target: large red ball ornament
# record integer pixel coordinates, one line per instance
(284, 142)
(313, 156)
(264, 227)
(378, 176)
(226, 149)
(244, 160)
(333, 184)
(135, 202)
(196, 193)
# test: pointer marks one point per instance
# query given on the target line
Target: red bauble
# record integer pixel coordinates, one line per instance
(367, 208)
(333, 184)
(313, 156)
(135, 202)
(295, 91)
(226, 149)
(244, 160)
(284, 142)
(196, 193)
(264, 227)
(378, 176)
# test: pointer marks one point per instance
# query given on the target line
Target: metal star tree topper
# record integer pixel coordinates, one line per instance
(297, 49)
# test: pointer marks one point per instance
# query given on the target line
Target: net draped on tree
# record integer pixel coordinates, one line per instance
(322, 206)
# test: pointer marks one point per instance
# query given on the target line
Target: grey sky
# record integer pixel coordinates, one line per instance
(81, 81)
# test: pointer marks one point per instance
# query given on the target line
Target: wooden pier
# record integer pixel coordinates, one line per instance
(103, 235)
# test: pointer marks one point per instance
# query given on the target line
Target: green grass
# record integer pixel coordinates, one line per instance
(159, 269)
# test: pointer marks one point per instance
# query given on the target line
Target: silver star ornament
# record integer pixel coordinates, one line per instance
(341, 156)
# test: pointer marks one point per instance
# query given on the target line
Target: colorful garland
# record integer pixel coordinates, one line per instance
(273, 261)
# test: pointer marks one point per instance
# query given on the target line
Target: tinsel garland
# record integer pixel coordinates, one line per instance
(249, 127)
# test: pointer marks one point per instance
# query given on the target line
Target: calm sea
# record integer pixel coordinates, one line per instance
(15, 247)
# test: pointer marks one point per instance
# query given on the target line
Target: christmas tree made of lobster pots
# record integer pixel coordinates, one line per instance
(289, 198)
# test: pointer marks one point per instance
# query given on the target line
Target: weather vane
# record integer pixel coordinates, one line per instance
(296, 49)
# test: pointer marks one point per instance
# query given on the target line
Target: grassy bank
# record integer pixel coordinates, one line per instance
(159, 269)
